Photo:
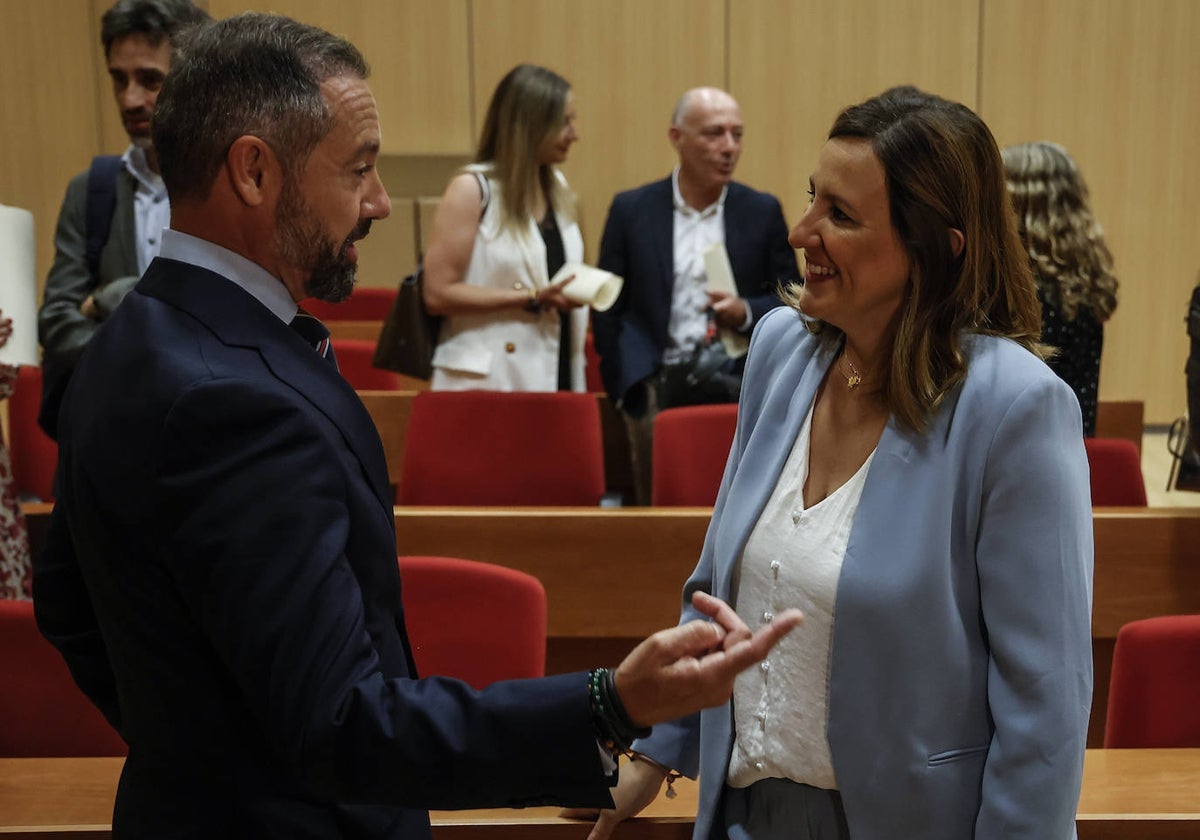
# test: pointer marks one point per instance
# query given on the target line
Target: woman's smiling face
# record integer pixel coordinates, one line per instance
(857, 272)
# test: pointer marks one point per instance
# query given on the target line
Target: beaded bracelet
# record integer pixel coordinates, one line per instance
(613, 725)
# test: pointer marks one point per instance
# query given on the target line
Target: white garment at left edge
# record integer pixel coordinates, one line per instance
(511, 349)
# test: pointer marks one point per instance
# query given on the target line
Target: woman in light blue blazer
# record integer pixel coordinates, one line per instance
(908, 471)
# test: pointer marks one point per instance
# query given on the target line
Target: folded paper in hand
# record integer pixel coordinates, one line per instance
(720, 279)
(595, 287)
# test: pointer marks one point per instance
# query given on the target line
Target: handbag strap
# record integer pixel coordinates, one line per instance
(485, 193)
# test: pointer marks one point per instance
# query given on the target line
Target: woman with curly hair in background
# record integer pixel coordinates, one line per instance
(1071, 262)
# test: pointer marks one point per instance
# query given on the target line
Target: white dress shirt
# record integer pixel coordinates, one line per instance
(151, 210)
(695, 231)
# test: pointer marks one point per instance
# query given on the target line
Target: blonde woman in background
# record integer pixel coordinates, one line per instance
(505, 225)
(1072, 264)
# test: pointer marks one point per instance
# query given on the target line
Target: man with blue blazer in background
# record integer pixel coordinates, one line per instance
(655, 238)
(220, 572)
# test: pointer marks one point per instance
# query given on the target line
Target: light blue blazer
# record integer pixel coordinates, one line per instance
(961, 672)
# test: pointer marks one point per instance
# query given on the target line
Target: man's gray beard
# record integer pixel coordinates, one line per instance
(301, 241)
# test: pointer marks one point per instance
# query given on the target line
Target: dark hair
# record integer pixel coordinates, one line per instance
(154, 20)
(256, 74)
(942, 170)
(528, 104)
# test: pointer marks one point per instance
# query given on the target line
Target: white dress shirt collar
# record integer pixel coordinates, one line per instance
(682, 206)
(151, 209)
(263, 286)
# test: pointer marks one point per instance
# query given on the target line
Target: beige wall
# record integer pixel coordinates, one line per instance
(1116, 81)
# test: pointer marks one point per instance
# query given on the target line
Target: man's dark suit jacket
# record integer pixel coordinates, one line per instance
(221, 578)
(638, 244)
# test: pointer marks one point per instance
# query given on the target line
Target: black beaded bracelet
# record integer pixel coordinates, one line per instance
(613, 726)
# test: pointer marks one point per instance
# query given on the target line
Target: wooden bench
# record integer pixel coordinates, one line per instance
(1121, 419)
(360, 330)
(614, 575)
(1126, 795)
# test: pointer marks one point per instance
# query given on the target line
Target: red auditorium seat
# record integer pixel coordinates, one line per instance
(354, 358)
(474, 621)
(593, 382)
(364, 304)
(1116, 472)
(1154, 692)
(691, 446)
(501, 448)
(43, 712)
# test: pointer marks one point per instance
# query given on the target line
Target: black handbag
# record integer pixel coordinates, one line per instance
(410, 333)
(708, 375)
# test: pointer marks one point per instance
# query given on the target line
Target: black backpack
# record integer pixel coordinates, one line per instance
(98, 215)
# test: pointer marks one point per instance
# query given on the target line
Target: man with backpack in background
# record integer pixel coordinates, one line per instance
(112, 217)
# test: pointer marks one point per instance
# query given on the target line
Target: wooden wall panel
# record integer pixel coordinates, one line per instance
(420, 67)
(627, 61)
(1118, 83)
(390, 252)
(794, 64)
(49, 100)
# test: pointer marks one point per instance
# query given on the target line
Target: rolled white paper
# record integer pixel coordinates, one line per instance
(593, 286)
(720, 279)
(18, 286)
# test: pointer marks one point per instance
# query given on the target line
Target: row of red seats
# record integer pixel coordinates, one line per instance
(549, 452)
(483, 623)
(474, 621)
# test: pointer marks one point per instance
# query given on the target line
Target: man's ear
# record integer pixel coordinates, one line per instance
(957, 242)
(251, 167)
(673, 134)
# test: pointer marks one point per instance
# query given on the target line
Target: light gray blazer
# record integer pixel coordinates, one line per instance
(960, 673)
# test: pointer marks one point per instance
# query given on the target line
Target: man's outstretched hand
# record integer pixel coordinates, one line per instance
(691, 667)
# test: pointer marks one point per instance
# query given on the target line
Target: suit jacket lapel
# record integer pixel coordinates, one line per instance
(238, 320)
(736, 218)
(660, 226)
(533, 250)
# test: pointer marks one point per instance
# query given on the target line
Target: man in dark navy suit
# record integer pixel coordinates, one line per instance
(220, 572)
(656, 237)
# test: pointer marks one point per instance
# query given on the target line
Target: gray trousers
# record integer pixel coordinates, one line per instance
(780, 809)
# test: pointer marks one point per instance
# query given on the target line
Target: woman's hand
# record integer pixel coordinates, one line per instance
(637, 786)
(553, 297)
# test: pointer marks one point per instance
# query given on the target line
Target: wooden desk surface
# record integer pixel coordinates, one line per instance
(1126, 794)
(620, 571)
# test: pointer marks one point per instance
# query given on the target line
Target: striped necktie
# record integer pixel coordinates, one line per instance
(315, 333)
